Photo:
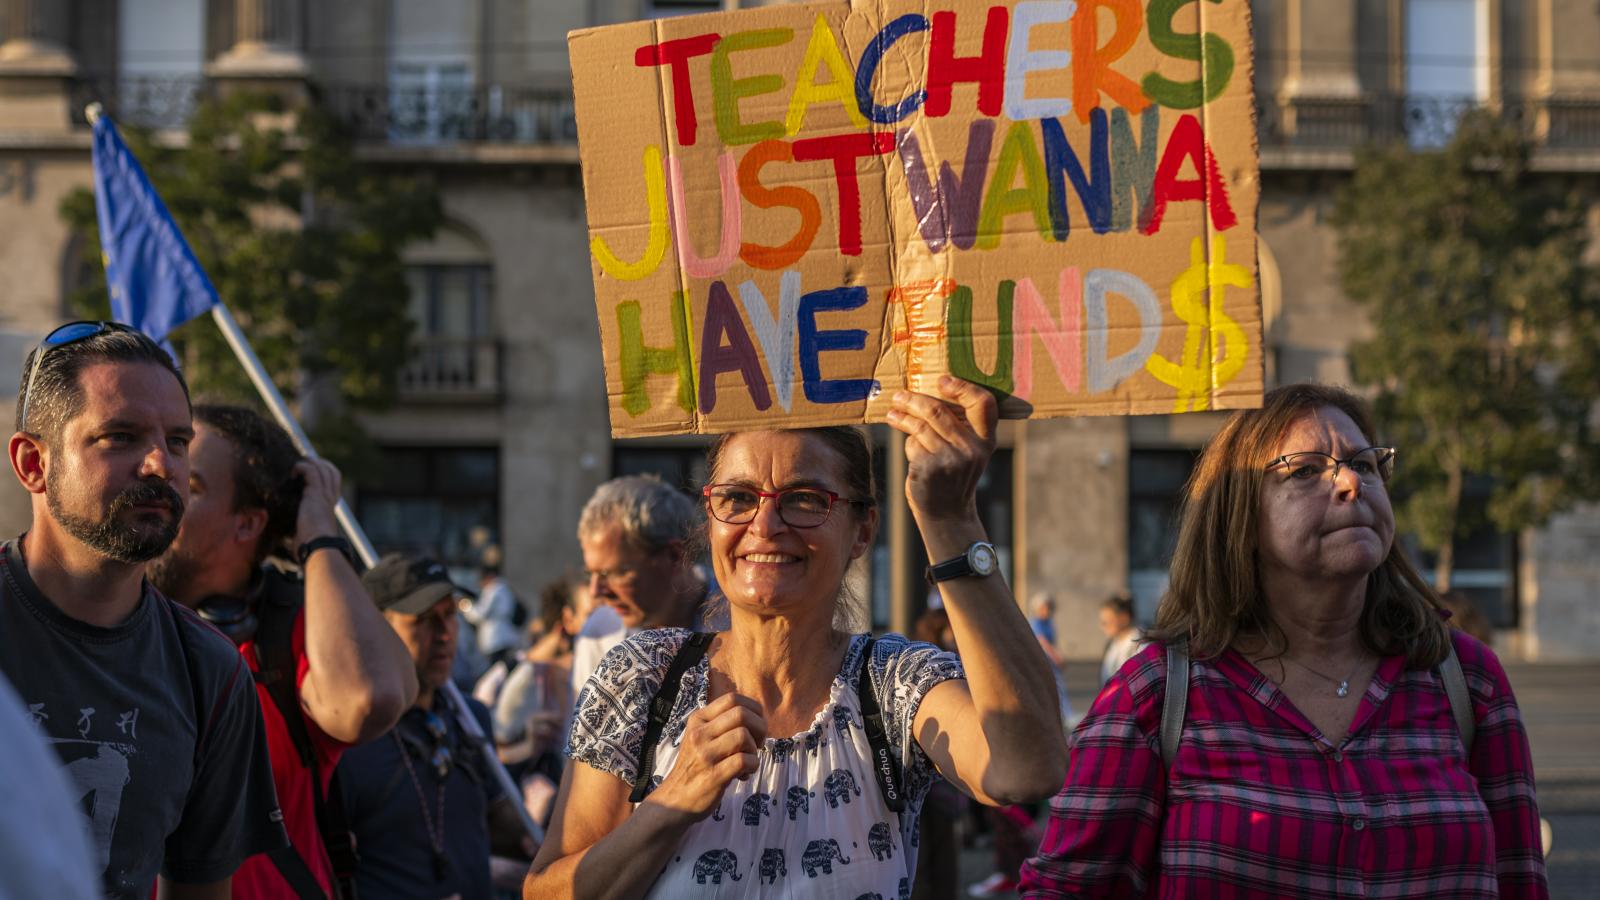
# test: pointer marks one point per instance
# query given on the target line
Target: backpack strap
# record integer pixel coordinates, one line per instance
(276, 670)
(1175, 704)
(1455, 690)
(666, 697)
(884, 764)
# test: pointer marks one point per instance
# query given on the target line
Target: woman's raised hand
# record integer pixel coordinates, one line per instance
(719, 744)
(948, 444)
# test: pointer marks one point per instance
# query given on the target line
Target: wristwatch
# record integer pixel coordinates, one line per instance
(980, 560)
(328, 540)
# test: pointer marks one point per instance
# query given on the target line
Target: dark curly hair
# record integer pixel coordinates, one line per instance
(264, 458)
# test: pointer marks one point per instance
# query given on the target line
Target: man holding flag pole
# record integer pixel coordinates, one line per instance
(156, 284)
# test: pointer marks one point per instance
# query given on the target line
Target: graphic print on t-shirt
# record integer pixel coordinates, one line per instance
(99, 769)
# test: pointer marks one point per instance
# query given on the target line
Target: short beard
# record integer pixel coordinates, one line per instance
(109, 537)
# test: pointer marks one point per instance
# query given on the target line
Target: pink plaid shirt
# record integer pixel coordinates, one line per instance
(1259, 804)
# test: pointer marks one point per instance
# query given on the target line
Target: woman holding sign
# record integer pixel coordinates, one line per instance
(786, 756)
(1304, 723)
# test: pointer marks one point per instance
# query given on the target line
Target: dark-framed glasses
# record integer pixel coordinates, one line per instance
(62, 335)
(1373, 466)
(798, 507)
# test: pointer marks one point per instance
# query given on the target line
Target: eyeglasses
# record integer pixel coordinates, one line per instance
(613, 575)
(70, 333)
(797, 507)
(1373, 466)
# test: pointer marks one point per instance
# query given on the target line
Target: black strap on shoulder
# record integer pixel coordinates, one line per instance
(690, 654)
(276, 671)
(1455, 690)
(1175, 703)
(885, 767)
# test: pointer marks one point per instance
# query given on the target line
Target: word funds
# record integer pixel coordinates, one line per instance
(795, 211)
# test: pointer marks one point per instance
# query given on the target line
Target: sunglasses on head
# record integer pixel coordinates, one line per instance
(70, 333)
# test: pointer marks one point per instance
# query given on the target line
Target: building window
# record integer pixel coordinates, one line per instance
(455, 353)
(442, 502)
(1446, 66)
(1155, 493)
(160, 61)
(433, 93)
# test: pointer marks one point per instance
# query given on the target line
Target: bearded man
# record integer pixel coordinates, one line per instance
(151, 711)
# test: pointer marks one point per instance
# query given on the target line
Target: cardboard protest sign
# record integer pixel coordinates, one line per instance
(795, 211)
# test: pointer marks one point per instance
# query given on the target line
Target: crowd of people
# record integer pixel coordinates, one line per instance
(208, 695)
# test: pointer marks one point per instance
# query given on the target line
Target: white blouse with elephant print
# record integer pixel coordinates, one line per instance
(811, 821)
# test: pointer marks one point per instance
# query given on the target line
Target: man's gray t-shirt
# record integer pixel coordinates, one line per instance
(157, 724)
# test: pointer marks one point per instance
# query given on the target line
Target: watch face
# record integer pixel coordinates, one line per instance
(982, 559)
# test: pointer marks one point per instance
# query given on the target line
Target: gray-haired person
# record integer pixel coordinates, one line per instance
(152, 712)
(634, 532)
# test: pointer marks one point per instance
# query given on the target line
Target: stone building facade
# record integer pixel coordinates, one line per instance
(502, 431)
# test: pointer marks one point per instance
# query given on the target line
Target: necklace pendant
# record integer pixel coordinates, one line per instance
(1344, 688)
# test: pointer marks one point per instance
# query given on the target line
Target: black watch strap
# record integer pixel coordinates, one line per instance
(328, 540)
(958, 567)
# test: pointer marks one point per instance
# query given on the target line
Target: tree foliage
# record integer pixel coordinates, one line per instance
(303, 243)
(1485, 347)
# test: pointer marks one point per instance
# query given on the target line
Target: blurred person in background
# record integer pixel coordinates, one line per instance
(424, 806)
(1122, 638)
(496, 615)
(634, 533)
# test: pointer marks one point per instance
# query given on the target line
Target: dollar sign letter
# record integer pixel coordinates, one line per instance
(1197, 373)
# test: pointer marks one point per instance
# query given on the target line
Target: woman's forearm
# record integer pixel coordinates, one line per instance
(623, 864)
(1012, 687)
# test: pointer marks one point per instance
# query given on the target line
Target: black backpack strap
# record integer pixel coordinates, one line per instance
(276, 672)
(885, 767)
(1455, 690)
(690, 654)
(1175, 704)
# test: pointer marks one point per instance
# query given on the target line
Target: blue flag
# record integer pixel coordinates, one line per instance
(156, 283)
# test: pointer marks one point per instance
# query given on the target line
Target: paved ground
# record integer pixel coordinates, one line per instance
(1561, 707)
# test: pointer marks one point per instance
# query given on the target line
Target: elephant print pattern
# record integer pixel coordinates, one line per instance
(811, 803)
(821, 854)
(755, 807)
(879, 841)
(839, 786)
(772, 867)
(799, 801)
(714, 864)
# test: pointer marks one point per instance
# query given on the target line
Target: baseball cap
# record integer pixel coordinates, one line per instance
(407, 586)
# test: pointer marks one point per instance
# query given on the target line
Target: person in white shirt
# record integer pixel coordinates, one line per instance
(1122, 638)
(491, 616)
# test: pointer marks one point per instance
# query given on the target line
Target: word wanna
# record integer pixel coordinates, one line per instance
(939, 316)
(957, 211)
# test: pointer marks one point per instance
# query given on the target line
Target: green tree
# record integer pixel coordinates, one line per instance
(1485, 321)
(303, 243)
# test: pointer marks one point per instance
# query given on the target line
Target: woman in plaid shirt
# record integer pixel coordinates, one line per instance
(1319, 757)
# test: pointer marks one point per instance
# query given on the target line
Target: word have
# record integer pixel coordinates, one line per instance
(999, 70)
(953, 210)
(939, 323)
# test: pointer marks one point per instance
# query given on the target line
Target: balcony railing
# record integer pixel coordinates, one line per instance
(440, 115)
(496, 114)
(1343, 122)
(157, 103)
(452, 369)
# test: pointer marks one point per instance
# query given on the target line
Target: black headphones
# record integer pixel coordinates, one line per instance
(234, 616)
